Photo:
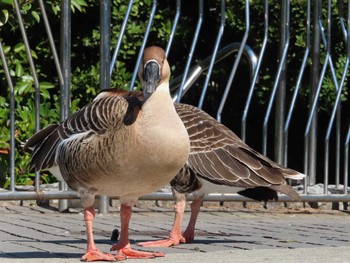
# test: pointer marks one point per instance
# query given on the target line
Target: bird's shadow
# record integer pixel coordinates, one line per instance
(81, 250)
(202, 241)
(39, 254)
(74, 244)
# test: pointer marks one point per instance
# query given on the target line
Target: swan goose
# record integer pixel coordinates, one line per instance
(220, 162)
(117, 145)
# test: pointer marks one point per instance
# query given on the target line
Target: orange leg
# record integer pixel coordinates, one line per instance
(123, 246)
(92, 253)
(195, 208)
(175, 236)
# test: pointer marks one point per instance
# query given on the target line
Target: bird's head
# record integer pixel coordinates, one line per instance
(154, 70)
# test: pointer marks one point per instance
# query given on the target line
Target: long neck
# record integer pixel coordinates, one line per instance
(164, 86)
(160, 97)
(159, 108)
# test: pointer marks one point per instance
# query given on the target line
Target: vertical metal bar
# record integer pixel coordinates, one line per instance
(346, 35)
(12, 118)
(148, 29)
(105, 77)
(216, 47)
(51, 41)
(298, 84)
(337, 143)
(335, 81)
(65, 55)
(341, 18)
(237, 60)
(280, 109)
(346, 161)
(31, 64)
(314, 104)
(176, 20)
(35, 79)
(105, 43)
(120, 38)
(347, 138)
(279, 72)
(63, 204)
(256, 72)
(313, 110)
(190, 55)
(310, 157)
(336, 112)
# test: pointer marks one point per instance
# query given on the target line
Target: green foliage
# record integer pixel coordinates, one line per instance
(25, 85)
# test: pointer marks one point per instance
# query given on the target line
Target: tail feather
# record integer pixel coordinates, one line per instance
(43, 144)
(286, 189)
(294, 175)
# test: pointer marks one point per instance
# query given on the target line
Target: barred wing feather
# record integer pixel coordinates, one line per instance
(108, 110)
(221, 157)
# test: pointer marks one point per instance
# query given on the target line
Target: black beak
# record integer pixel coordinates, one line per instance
(151, 77)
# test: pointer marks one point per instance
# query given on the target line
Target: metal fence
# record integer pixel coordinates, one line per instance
(318, 43)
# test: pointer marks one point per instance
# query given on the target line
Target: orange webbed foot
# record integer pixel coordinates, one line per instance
(96, 255)
(132, 253)
(171, 241)
(128, 252)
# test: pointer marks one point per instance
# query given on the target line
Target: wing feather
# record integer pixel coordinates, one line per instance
(108, 111)
(221, 157)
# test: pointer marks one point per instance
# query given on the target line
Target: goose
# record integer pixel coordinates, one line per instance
(220, 162)
(117, 145)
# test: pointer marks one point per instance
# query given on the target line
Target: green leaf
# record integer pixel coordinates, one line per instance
(34, 55)
(56, 9)
(19, 47)
(7, 49)
(19, 70)
(79, 4)
(4, 16)
(6, 2)
(23, 87)
(36, 16)
(45, 93)
(46, 85)
(27, 78)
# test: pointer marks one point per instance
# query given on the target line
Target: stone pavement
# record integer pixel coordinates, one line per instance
(36, 234)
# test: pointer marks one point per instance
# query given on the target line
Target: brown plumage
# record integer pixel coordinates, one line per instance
(219, 156)
(87, 149)
(117, 145)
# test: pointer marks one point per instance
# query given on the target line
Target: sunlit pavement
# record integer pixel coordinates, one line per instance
(35, 234)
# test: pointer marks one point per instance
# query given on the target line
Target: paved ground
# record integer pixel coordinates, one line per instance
(35, 234)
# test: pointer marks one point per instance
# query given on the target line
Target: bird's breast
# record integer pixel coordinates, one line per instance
(132, 161)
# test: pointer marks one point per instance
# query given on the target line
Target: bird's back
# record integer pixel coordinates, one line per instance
(221, 157)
